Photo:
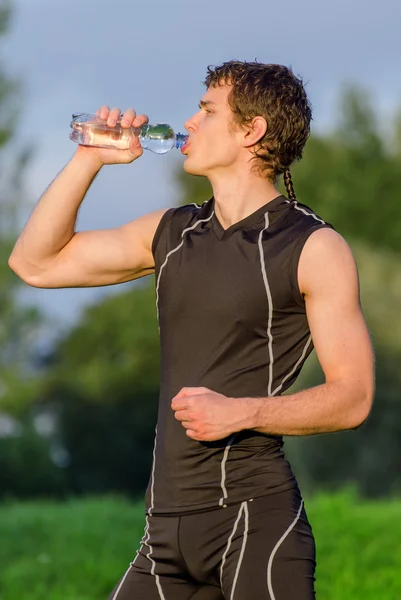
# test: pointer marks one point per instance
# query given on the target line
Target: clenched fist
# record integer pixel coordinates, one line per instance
(209, 416)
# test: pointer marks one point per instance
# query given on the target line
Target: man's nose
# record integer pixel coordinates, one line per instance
(190, 124)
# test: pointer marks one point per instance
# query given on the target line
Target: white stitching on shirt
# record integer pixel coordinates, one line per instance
(308, 214)
(223, 470)
(270, 304)
(300, 359)
(157, 308)
(172, 252)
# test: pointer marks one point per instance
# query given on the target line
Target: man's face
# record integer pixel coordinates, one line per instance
(214, 140)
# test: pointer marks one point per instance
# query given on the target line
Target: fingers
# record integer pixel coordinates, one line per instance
(186, 397)
(187, 424)
(131, 119)
(114, 116)
(103, 112)
(179, 403)
(128, 118)
(140, 120)
(111, 116)
(182, 415)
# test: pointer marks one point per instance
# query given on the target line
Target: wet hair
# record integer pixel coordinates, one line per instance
(275, 93)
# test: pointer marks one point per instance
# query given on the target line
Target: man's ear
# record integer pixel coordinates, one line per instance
(255, 131)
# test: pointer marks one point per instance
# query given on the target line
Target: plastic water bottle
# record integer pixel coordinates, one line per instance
(90, 130)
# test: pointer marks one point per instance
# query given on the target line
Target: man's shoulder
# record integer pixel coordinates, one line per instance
(305, 215)
(193, 210)
(176, 221)
(299, 222)
(189, 215)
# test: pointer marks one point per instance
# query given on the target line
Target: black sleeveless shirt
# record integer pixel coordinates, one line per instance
(232, 319)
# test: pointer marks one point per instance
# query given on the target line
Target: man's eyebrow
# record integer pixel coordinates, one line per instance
(204, 103)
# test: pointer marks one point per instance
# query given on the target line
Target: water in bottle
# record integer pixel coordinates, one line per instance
(90, 130)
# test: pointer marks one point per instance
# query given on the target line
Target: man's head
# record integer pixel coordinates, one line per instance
(270, 94)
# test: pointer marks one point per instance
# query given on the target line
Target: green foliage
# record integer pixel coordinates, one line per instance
(5, 15)
(193, 189)
(9, 87)
(352, 177)
(25, 464)
(19, 327)
(114, 344)
(26, 467)
(103, 389)
(18, 324)
(78, 550)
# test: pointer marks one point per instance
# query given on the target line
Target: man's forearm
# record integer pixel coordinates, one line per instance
(333, 406)
(52, 223)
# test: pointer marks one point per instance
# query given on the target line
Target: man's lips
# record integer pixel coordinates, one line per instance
(184, 148)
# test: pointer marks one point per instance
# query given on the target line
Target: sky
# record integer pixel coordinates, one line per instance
(75, 55)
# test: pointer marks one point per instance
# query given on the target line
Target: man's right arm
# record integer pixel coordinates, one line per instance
(50, 254)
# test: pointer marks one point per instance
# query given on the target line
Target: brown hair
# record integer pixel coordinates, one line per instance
(275, 93)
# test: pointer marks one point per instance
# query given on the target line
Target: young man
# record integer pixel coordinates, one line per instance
(244, 283)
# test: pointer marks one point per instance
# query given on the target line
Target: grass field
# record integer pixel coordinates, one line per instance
(77, 550)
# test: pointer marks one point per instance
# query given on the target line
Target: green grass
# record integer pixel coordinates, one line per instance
(70, 551)
(358, 547)
(78, 550)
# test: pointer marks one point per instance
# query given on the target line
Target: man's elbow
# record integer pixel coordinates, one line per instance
(24, 273)
(362, 408)
(16, 266)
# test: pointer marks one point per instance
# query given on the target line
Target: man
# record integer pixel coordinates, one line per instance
(244, 283)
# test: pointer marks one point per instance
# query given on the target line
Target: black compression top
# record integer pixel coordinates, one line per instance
(231, 319)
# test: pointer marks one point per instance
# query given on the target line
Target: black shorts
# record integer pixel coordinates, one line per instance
(260, 549)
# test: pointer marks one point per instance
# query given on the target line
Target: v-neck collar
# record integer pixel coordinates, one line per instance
(276, 204)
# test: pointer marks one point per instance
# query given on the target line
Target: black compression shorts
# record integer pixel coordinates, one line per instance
(260, 549)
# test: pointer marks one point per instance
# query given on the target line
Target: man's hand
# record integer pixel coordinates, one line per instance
(208, 416)
(110, 156)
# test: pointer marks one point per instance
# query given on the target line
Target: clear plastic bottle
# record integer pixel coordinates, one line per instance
(90, 130)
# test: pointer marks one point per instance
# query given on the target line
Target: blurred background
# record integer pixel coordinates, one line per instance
(79, 368)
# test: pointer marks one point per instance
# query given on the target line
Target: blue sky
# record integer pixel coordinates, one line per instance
(74, 55)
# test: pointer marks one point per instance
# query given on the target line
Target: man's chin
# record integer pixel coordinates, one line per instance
(193, 169)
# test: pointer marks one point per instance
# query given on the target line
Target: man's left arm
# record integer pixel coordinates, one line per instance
(328, 280)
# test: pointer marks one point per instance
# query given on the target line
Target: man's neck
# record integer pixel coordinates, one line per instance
(236, 198)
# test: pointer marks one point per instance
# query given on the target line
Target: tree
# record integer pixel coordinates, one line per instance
(25, 465)
(102, 387)
(18, 324)
(352, 176)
